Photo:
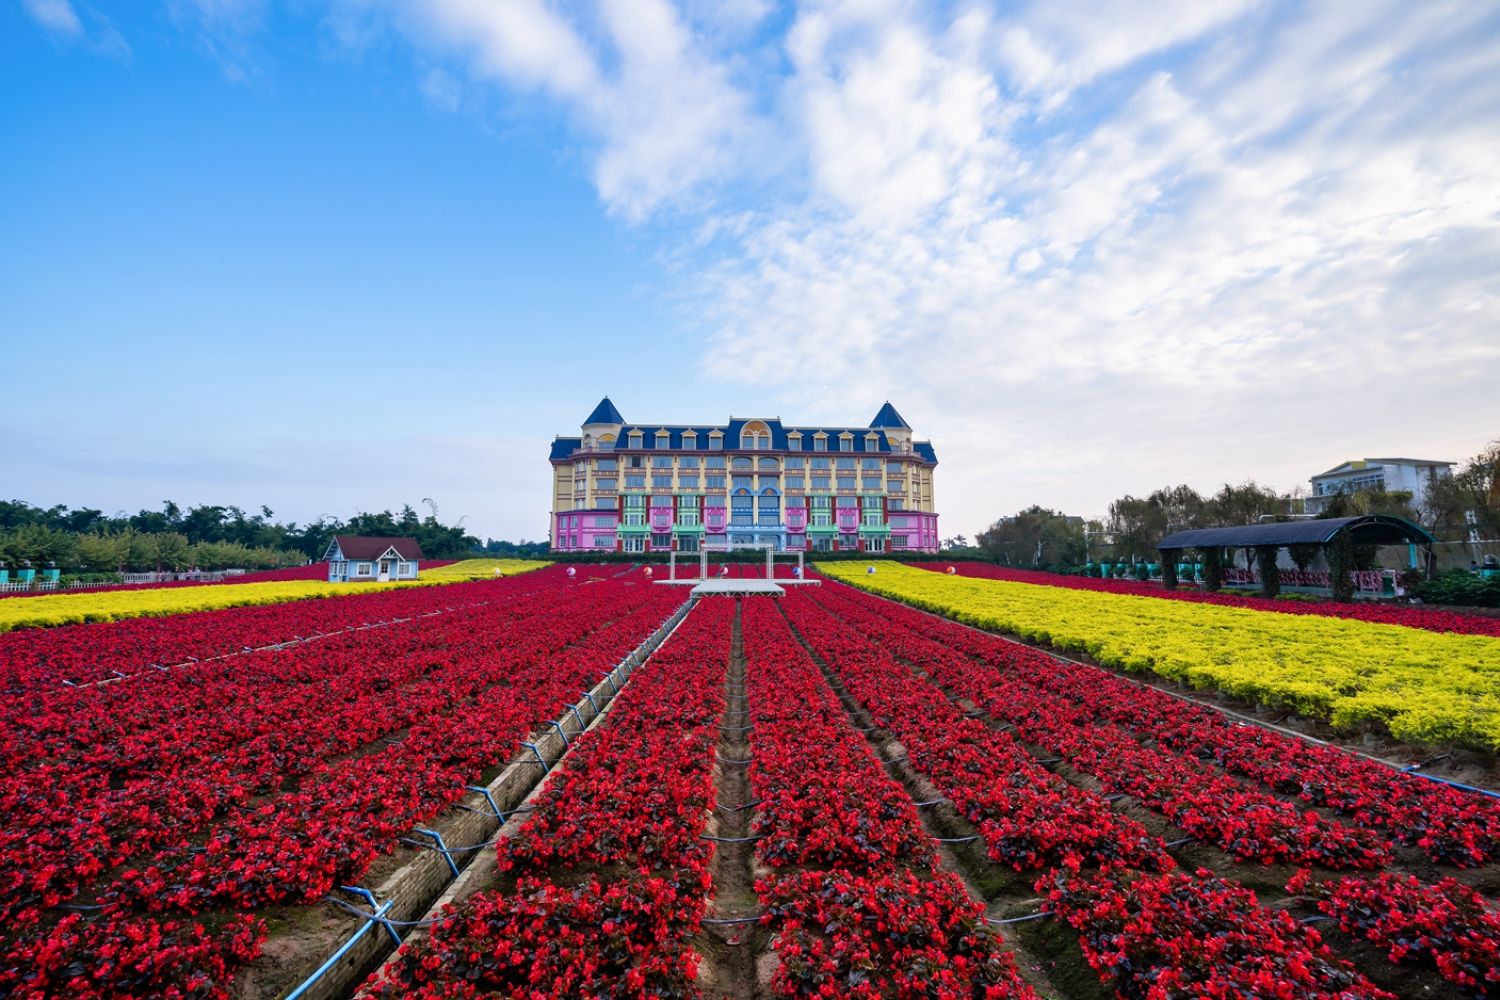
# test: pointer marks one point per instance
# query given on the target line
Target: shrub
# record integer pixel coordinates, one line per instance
(1460, 587)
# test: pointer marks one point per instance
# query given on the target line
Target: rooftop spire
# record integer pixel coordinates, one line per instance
(605, 413)
(888, 417)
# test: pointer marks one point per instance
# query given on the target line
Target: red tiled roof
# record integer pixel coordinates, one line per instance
(373, 547)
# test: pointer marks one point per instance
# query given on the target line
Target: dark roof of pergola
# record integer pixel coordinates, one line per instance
(1372, 529)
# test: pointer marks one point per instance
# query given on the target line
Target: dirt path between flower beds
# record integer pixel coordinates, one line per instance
(730, 951)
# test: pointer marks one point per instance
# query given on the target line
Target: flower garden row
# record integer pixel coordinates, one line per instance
(73, 608)
(45, 660)
(1385, 614)
(1424, 687)
(160, 812)
(1444, 925)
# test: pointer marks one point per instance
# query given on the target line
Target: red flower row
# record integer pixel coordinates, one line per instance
(634, 797)
(880, 919)
(40, 660)
(1162, 937)
(1384, 614)
(1447, 926)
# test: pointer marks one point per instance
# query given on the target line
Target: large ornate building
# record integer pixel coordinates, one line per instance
(622, 487)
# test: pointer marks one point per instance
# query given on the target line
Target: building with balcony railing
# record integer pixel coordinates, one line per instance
(622, 487)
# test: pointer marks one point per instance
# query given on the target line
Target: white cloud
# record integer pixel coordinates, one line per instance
(635, 78)
(1079, 295)
(55, 15)
(91, 30)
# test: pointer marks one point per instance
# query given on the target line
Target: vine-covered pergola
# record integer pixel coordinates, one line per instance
(1336, 536)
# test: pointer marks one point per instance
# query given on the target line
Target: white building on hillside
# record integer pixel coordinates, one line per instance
(1411, 475)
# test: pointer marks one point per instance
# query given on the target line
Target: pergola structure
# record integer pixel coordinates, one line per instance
(705, 584)
(1369, 529)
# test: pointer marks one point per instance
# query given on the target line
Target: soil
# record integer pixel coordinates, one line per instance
(729, 951)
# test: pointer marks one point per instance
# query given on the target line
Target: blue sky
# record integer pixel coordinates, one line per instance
(343, 255)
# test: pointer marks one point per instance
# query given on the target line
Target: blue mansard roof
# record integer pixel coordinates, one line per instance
(563, 447)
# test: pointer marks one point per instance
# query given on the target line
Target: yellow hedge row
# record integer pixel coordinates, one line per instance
(1426, 687)
(72, 608)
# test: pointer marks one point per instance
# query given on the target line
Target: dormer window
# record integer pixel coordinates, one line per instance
(690, 440)
(663, 440)
(846, 441)
(637, 440)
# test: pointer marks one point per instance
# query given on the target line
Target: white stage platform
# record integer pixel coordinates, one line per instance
(726, 585)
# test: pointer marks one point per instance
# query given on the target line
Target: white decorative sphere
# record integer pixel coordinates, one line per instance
(572, 571)
(950, 570)
(648, 570)
(870, 570)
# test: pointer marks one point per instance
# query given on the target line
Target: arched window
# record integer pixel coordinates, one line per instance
(755, 435)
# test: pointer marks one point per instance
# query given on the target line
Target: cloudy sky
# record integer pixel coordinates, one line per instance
(342, 255)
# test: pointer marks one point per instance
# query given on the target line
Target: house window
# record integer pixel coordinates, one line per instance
(688, 462)
(794, 463)
(635, 439)
(687, 543)
(635, 543)
(604, 521)
(846, 482)
(846, 465)
(689, 482)
(742, 482)
(715, 482)
(689, 440)
(898, 541)
(661, 462)
(822, 464)
(662, 542)
(871, 484)
(820, 444)
(714, 462)
(875, 545)
(846, 443)
(742, 464)
(635, 482)
(604, 484)
(893, 468)
(716, 444)
(820, 482)
(822, 544)
(661, 482)
(606, 465)
(604, 541)
(869, 465)
(769, 465)
(363, 569)
(794, 482)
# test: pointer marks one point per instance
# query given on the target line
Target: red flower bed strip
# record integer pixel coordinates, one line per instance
(1178, 936)
(1446, 926)
(858, 902)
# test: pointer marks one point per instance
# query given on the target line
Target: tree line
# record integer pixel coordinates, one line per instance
(205, 537)
(1039, 537)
